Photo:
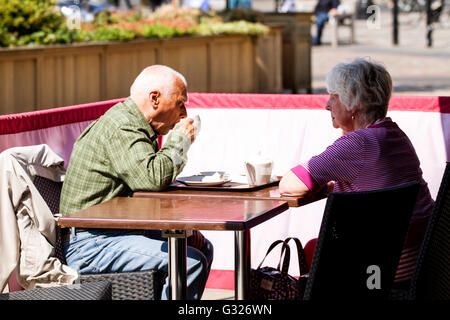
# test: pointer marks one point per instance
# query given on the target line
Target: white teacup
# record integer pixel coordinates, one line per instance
(258, 171)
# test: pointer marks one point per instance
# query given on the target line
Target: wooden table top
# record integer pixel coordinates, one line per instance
(175, 214)
(269, 193)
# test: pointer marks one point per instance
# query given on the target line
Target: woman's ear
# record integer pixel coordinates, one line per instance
(154, 98)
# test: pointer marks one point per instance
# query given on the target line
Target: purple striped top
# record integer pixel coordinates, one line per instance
(375, 157)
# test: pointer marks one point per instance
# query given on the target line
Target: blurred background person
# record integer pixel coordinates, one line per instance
(322, 11)
(243, 4)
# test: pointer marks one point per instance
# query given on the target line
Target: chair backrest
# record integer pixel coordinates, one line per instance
(431, 279)
(51, 192)
(360, 242)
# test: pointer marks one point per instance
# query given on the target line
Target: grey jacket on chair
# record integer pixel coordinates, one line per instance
(27, 226)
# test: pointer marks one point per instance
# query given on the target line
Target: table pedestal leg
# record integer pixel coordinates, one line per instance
(242, 263)
(177, 263)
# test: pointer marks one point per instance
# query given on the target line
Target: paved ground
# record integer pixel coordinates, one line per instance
(415, 68)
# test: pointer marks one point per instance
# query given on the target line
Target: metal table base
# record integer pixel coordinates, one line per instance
(241, 263)
(177, 263)
(177, 244)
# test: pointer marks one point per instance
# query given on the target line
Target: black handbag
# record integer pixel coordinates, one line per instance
(267, 283)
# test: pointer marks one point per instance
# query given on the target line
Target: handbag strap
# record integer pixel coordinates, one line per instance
(300, 254)
(287, 255)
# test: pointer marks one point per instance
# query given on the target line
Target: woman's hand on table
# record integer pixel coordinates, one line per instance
(291, 185)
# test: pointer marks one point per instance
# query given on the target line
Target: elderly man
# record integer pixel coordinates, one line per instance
(118, 154)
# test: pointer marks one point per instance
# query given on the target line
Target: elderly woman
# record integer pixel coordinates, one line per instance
(373, 152)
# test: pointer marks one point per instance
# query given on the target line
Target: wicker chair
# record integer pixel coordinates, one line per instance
(141, 285)
(360, 230)
(431, 279)
(100, 290)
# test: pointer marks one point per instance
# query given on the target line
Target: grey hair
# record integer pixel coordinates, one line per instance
(155, 77)
(364, 85)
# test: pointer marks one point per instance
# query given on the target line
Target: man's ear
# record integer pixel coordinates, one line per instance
(154, 98)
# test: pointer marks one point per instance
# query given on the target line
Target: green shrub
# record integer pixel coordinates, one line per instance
(108, 17)
(22, 21)
(39, 22)
(235, 27)
(161, 30)
(6, 37)
(113, 33)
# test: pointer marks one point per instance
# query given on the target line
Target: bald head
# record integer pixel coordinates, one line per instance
(157, 77)
(160, 94)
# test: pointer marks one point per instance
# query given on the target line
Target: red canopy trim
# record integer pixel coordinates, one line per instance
(36, 120)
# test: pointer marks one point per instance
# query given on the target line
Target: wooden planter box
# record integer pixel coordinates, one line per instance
(296, 52)
(55, 76)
